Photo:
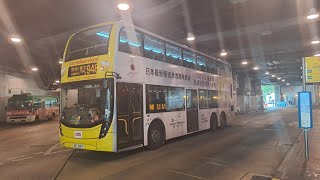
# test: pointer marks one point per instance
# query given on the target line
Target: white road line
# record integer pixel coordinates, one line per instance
(217, 164)
(15, 160)
(49, 151)
(60, 151)
(38, 153)
(190, 175)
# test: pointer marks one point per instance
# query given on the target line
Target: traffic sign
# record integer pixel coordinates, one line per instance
(305, 110)
(312, 69)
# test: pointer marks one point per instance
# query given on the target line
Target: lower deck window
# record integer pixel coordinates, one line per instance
(164, 99)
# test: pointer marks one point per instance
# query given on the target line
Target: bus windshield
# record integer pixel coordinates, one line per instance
(88, 43)
(86, 105)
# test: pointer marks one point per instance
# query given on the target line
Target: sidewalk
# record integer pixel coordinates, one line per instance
(294, 166)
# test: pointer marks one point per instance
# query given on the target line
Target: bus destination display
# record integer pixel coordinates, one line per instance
(85, 69)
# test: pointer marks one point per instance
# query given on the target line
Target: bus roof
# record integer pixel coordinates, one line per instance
(123, 23)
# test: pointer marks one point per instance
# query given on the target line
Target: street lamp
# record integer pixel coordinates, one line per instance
(16, 39)
(190, 37)
(244, 62)
(313, 14)
(315, 42)
(57, 81)
(123, 6)
(256, 68)
(34, 69)
(223, 53)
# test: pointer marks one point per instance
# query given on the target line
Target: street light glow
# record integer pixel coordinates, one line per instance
(16, 39)
(256, 68)
(57, 81)
(190, 37)
(244, 62)
(223, 53)
(34, 69)
(267, 73)
(315, 42)
(273, 75)
(313, 14)
(123, 6)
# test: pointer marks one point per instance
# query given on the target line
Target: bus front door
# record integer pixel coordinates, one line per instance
(192, 111)
(130, 115)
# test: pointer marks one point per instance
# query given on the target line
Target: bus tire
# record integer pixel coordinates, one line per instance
(156, 135)
(36, 119)
(213, 122)
(223, 120)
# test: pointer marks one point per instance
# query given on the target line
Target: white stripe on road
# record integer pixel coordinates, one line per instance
(217, 164)
(15, 160)
(16, 157)
(38, 153)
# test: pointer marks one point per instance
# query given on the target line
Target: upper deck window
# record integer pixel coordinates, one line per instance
(88, 43)
(189, 59)
(173, 54)
(201, 63)
(153, 48)
(130, 41)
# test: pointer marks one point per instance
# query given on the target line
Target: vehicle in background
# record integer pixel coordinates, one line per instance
(123, 87)
(29, 108)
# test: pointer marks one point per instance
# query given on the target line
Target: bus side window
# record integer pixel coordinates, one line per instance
(213, 99)
(153, 48)
(173, 54)
(203, 99)
(211, 66)
(189, 59)
(201, 63)
(130, 41)
(156, 98)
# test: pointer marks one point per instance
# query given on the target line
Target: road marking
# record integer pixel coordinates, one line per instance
(60, 151)
(217, 164)
(15, 160)
(38, 153)
(190, 175)
(245, 122)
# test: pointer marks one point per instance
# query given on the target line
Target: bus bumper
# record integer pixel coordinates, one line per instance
(89, 141)
(28, 119)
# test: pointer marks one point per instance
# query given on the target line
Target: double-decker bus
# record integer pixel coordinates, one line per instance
(124, 87)
(29, 108)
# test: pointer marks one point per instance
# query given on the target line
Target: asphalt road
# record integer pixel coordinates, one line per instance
(255, 143)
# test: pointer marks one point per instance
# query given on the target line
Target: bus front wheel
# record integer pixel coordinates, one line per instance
(156, 135)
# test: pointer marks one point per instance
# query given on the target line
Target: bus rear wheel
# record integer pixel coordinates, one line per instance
(213, 122)
(155, 135)
(223, 120)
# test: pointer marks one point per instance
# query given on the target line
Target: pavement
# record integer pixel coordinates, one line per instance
(251, 147)
(295, 166)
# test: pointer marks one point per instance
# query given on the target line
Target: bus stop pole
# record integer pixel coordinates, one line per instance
(305, 131)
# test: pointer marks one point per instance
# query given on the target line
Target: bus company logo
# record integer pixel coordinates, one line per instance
(77, 134)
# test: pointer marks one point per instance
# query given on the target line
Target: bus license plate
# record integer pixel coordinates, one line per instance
(78, 146)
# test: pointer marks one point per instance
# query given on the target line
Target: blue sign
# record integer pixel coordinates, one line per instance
(305, 110)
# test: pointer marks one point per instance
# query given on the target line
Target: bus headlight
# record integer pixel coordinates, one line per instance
(104, 129)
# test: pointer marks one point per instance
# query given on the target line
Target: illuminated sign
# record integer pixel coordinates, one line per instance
(85, 69)
(312, 69)
(305, 110)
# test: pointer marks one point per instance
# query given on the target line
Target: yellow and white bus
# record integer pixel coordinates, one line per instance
(124, 87)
